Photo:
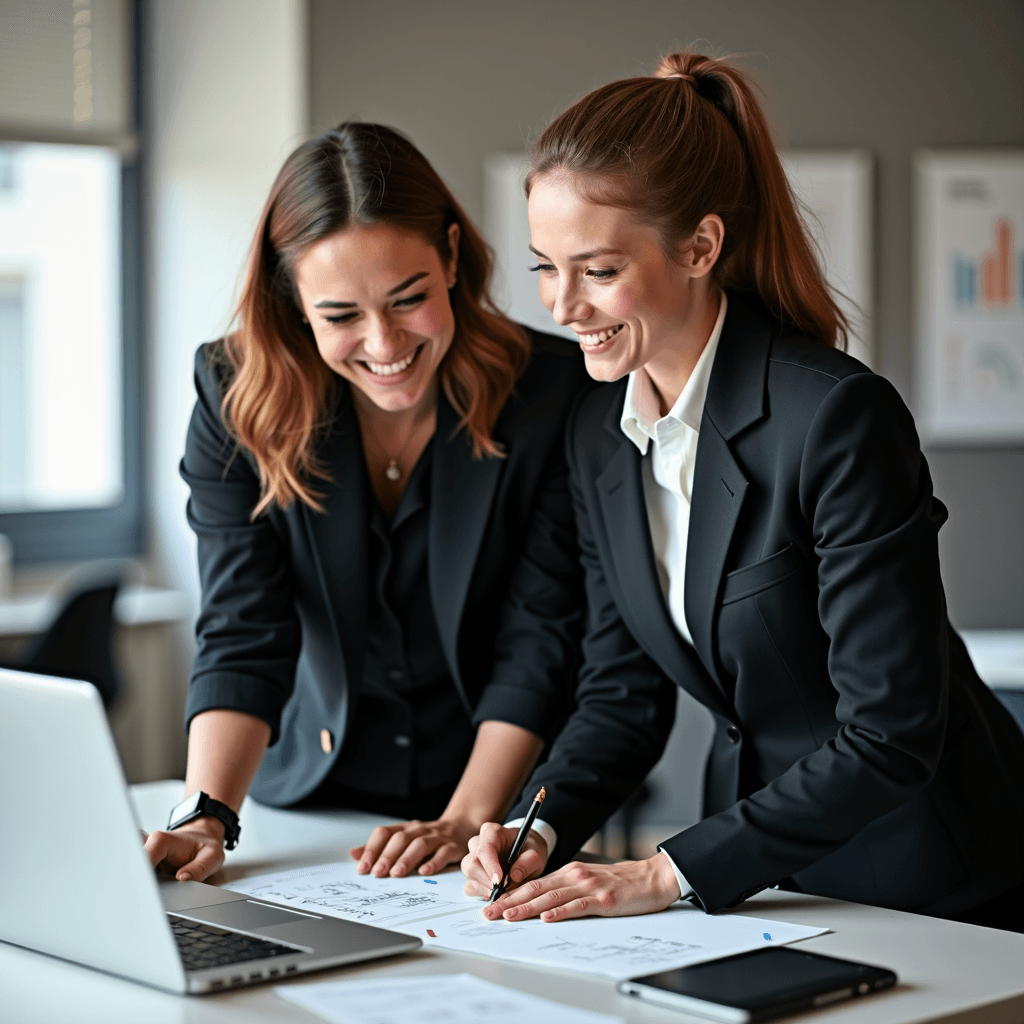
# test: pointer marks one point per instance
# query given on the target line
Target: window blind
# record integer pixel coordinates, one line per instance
(64, 72)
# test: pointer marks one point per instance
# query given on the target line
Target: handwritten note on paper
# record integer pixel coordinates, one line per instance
(451, 998)
(615, 947)
(336, 890)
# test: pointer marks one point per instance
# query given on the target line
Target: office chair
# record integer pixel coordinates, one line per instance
(79, 642)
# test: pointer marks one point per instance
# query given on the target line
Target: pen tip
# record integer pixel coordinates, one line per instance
(540, 796)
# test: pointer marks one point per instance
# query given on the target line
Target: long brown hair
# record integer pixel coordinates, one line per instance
(690, 141)
(280, 400)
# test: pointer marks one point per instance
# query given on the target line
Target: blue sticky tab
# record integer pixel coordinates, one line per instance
(430, 881)
(767, 936)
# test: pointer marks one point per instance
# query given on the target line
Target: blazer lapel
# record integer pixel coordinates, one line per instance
(718, 490)
(340, 539)
(461, 493)
(735, 400)
(624, 510)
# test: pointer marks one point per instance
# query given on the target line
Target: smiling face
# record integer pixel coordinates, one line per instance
(376, 298)
(605, 275)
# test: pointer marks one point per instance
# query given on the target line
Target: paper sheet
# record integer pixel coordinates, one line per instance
(338, 891)
(430, 999)
(436, 910)
(614, 947)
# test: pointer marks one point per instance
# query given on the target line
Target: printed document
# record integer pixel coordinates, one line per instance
(436, 910)
(615, 947)
(338, 891)
(430, 999)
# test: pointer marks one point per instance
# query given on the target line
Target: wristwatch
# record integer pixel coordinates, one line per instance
(199, 805)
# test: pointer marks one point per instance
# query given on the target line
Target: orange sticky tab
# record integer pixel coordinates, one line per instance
(430, 932)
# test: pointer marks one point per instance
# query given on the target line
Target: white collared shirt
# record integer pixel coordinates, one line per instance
(668, 469)
(668, 480)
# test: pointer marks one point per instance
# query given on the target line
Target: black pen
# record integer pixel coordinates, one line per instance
(524, 830)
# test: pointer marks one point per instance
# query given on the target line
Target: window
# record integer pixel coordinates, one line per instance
(70, 453)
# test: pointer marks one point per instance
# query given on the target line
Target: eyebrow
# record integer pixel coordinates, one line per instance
(408, 282)
(582, 257)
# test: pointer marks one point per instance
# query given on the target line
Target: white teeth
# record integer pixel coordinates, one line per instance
(592, 340)
(387, 369)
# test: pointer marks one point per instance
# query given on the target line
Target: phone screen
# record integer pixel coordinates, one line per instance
(767, 977)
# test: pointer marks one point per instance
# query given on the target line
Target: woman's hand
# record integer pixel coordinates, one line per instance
(431, 846)
(583, 890)
(191, 853)
(484, 865)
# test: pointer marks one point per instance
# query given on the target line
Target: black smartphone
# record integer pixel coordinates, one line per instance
(761, 985)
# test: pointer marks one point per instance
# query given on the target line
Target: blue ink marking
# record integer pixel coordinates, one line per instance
(430, 881)
(767, 936)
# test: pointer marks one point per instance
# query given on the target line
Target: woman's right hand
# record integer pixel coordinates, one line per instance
(484, 865)
(191, 853)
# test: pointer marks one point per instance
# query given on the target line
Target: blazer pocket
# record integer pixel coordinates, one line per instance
(758, 576)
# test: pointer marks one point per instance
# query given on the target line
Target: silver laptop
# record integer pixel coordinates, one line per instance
(75, 881)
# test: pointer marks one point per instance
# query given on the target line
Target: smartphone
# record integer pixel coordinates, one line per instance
(761, 985)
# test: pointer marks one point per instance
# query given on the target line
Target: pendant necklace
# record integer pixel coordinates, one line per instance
(393, 471)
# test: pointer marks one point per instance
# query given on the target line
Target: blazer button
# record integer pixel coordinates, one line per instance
(326, 741)
(733, 733)
(402, 741)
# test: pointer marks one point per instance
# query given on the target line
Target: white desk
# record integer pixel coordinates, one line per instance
(948, 972)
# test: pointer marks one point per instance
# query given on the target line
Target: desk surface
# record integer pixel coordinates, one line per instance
(948, 972)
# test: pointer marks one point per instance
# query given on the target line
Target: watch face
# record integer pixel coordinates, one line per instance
(187, 806)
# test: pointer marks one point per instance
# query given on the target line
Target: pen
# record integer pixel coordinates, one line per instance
(524, 831)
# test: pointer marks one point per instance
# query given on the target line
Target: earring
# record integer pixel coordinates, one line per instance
(453, 284)
(305, 319)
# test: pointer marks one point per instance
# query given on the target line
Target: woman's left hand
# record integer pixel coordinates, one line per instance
(583, 890)
(431, 846)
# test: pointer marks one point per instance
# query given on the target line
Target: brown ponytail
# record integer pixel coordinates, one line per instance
(690, 141)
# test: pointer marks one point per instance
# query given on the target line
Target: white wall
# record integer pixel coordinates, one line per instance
(226, 87)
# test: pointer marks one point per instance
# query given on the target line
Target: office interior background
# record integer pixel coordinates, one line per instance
(190, 109)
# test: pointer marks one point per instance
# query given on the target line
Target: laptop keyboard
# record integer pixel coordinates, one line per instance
(205, 945)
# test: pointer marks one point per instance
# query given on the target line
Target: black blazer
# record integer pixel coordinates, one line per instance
(281, 628)
(857, 753)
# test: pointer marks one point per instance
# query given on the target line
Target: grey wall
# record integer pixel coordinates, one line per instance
(467, 77)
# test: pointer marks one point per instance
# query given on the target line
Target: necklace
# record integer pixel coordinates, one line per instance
(393, 471)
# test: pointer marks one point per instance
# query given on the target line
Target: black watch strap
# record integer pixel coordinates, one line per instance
(199, 805)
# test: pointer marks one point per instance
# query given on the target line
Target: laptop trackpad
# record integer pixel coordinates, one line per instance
(247, 915)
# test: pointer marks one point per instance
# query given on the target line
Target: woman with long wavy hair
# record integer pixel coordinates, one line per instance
(391, 597)
(758, 527)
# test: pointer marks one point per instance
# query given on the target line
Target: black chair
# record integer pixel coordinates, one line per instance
(80, 642)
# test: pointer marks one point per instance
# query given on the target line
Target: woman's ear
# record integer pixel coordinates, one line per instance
(454, 234)
(705, 246)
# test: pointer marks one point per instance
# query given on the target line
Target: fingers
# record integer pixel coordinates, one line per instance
(166, 846)
(493, 841)
(207, 860)
(379, 838)
(583, 906)
(416, 852)
(477, 882)
(529, 864)
(446, 854)
(396, 845)
(510, 905)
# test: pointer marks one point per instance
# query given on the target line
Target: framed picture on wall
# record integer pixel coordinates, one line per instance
(836, 192)
(835, 188)
(970, 295)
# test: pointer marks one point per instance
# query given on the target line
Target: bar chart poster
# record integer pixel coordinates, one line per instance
(971, 295)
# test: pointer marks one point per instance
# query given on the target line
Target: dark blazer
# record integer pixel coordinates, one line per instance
(857, 753)
(282, 624)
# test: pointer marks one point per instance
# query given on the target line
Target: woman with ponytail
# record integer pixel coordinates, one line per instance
(757, 526)
(391, 601)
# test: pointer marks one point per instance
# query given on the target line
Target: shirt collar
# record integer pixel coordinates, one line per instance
(640, 409)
